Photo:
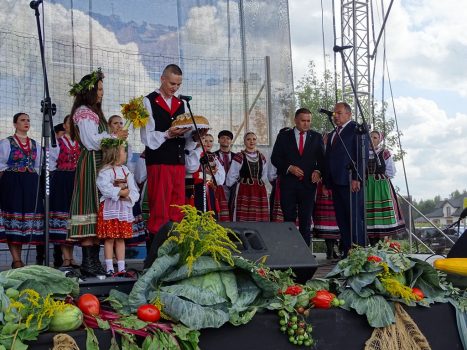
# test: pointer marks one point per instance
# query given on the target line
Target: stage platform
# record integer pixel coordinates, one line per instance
(333, 329)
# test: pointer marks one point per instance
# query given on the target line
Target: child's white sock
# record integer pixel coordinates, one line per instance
(109, 266)
(121, 265)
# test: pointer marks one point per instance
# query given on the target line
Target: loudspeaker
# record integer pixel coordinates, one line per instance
(282, 243)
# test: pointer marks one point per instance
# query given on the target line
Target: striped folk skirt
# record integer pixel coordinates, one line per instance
(250, 202)
(23, 222)
(61, 192)
(384, 216)
(324, 215)
(275, 202)
(85, 199)
(224, 213)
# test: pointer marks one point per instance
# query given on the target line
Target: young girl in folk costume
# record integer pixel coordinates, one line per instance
(23, 217)
(324, 217)
(384, 216)
(119, 195)
(215, 195)
(139, 226)
(89, 127)
(63, 160)
(248, 173)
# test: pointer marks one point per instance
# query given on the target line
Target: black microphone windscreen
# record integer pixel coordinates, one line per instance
(463, 214)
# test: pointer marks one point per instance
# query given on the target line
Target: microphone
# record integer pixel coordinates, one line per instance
(341, 48)
(325, 111)
(463, 214)
(35, 4)
(185, 98)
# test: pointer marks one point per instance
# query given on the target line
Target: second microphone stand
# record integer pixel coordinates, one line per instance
(205, 160)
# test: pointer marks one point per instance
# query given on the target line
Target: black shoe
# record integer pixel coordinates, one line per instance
(99, 270)
(87, 264)
(58, 258)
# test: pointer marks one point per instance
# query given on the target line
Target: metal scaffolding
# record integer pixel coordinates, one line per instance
(355, 32)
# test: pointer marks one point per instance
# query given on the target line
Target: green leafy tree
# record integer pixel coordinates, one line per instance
(315, 92)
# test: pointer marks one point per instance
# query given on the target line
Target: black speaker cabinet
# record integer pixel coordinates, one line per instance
(282, 243)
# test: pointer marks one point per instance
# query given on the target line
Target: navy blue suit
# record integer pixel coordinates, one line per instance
(337, 179)
(298, 195)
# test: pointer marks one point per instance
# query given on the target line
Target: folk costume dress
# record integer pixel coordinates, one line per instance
(141, 180)
(23, 221)
(85, 200)
(324, 216)
(276, 214)
(115, 218)
(63, 161)
(215, 196)
(250, 199)
(140, 233)
(384, 216)
(165, 160)
(226, 160)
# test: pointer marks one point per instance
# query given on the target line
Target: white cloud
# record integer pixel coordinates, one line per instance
(426, 44)
(435, 145)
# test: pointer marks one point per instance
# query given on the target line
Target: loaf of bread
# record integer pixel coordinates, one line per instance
(184, 121)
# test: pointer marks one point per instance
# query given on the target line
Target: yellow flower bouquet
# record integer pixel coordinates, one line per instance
(135, 112)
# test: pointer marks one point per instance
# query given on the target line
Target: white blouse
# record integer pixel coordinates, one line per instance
(140, 170)
(234, 172)
(88, 124)
(5, 150)
(105, 183)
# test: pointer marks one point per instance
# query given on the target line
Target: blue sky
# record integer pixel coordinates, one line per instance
(426, 52)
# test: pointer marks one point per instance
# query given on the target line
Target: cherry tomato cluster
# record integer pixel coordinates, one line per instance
(296, 328)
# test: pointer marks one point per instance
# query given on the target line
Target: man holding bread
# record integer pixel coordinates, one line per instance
(165, 150)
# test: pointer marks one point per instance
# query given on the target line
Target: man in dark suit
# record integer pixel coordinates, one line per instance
(346, 187)
(298, 156)
(225, 155)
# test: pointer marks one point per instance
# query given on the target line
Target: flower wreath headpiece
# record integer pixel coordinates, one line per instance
(112, 142)
(86, 84)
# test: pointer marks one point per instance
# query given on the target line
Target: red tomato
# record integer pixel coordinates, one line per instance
(323, 299)
(149, 313)
(418, 293)
(89, 304)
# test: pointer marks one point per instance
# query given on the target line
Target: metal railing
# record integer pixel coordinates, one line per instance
(411, 230)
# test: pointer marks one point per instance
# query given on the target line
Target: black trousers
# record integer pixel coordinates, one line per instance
(350, 217)
(298, 200)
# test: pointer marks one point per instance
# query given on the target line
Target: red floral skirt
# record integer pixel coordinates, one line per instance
(112, 228)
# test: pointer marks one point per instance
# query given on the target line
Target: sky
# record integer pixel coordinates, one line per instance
(426, 51)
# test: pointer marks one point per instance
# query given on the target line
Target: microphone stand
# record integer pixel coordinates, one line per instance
(205, 156)
(48, 110)
(362, 130)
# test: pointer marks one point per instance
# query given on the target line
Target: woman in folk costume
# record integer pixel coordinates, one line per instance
(89, 127)
(22, 212)
(248, 173)
(63, 160)
(384, 216)
(139, 226)
(324, 217)
(276, 214)
(119, 194)
(215, 195)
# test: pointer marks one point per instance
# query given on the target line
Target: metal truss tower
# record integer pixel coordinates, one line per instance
(355, 32)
